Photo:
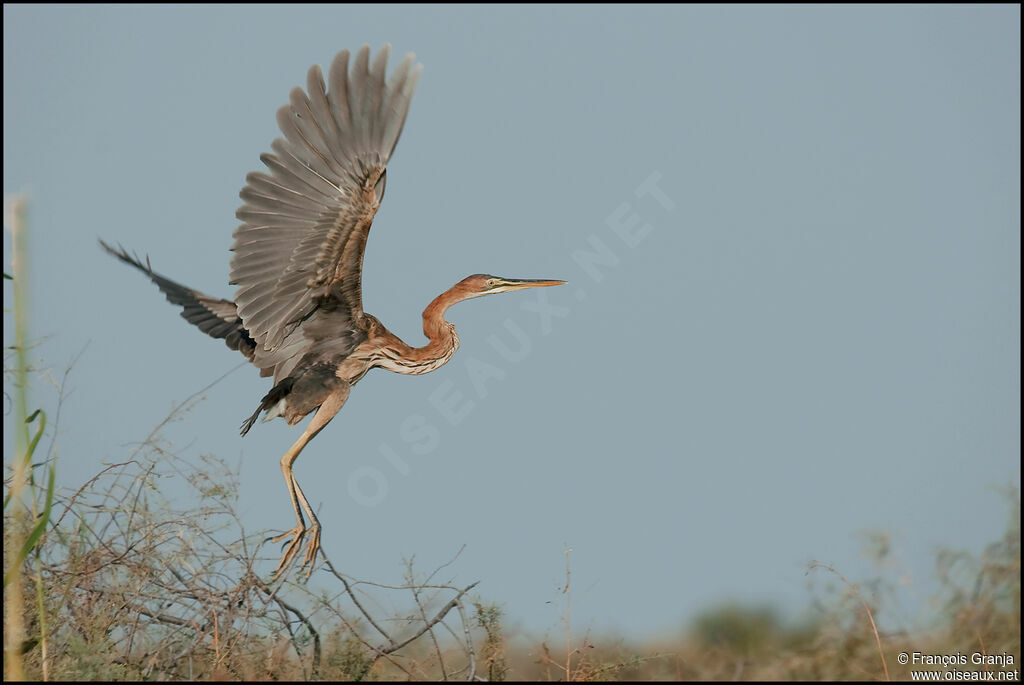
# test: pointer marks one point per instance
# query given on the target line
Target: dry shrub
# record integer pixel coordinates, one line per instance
(148, 573)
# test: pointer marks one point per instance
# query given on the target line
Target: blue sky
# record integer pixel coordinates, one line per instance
(791, 236)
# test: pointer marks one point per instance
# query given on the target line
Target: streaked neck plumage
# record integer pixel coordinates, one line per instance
(443, 341)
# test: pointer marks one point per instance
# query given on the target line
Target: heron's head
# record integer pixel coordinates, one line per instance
(485, 284)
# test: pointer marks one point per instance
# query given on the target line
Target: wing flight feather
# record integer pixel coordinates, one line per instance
(299, 249)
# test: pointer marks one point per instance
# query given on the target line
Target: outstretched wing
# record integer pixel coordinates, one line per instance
(299, 251)
(216, 317)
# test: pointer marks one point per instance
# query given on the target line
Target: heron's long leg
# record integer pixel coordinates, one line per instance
(313, 530)
(299, 530)
(323, 416)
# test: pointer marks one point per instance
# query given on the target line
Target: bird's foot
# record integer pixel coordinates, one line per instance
(311, 549)
(296, 534)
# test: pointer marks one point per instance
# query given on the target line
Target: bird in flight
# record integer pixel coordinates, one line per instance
(298, 312)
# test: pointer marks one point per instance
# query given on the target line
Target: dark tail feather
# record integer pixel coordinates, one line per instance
(276, 394)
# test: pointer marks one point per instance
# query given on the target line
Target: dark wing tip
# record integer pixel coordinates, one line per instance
(131, 259)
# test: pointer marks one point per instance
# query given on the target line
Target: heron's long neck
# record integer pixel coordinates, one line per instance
(403, 358)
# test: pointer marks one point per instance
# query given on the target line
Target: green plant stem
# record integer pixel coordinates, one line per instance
(14, 621)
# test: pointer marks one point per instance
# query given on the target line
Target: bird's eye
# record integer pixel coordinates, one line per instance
(492, 282)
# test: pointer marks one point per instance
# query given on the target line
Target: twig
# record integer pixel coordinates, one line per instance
(469, 642)
(568, 618)
(302, 617)
(437, 618)
(352, 596)
(867, 609)
(423, 614)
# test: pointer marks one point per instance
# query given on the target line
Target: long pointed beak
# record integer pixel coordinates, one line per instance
(519, 283)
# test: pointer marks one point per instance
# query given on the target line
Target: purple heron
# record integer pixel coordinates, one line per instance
(298, 256)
